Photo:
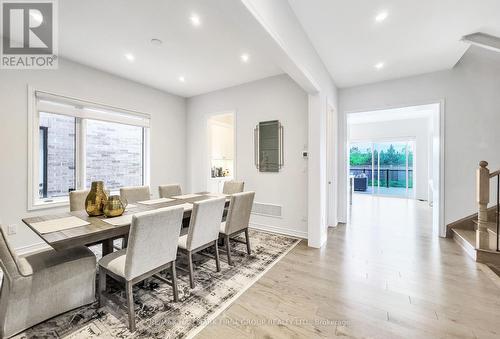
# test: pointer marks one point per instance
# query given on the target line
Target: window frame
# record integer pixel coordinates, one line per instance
(34, 202)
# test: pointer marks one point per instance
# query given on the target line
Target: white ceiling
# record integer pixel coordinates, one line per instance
(417, 37)
(99, 34)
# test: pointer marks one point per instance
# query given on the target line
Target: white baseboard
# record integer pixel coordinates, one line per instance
(23, 250)
(280, 230)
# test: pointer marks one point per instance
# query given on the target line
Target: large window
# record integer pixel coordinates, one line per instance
(114, 153)
(384, 168)
(77, 142)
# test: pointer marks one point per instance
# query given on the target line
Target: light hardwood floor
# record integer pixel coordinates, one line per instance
(384, 275)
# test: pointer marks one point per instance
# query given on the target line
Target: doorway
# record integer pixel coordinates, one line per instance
(221, 152)
(397, 153)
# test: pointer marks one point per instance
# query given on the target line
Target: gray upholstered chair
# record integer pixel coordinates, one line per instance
(237, 220)
(231, 187)
(135, 193)
(167, 191)
(77, 200)
(40, 286)
(152, 248)
(203, 231)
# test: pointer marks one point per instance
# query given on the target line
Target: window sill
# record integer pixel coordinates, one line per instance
(42, 205)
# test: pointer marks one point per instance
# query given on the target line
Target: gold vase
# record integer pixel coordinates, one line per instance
(94, 204)
(114, 206)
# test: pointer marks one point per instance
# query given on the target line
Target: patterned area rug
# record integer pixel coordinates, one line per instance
(157, 316)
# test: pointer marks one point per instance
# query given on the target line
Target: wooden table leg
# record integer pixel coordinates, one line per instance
(107, 247)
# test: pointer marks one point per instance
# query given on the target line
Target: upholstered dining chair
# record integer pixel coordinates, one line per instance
(40, 286)
(135, 193)
(203, 231)
(167, 191)
(237, 220)
(231, 187)
(77, 200)
(152, 248)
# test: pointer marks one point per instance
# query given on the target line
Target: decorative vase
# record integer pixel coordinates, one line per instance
(115, 206)
(94, 204)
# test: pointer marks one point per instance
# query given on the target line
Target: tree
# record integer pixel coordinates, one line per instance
(358, 157)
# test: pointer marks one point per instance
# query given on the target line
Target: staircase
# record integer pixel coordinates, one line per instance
(478, 233)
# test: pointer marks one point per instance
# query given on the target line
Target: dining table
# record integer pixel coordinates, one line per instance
(104, 230)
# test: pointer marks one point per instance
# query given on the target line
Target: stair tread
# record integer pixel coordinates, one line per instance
(467, 235)
(491, 225)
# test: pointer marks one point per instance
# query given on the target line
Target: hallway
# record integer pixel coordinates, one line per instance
(384, 275)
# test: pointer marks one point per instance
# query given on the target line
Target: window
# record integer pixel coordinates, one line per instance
(77, 142)
(384, 168)
(57, 155)
(114, 154)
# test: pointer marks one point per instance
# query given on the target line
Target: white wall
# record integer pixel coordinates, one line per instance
(167, 132)
(275, 98)
(305, 66)
(419, 129)
(472, 115)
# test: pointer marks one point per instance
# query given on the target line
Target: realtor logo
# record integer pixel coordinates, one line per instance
(28, 34)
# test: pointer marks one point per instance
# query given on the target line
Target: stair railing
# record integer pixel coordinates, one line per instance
(483, 177)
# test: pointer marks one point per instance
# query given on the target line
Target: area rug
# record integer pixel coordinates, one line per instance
(157, 316)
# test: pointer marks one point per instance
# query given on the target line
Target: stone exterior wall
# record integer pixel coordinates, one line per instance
(114, 154)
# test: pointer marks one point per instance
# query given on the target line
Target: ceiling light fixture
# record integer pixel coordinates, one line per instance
(381, 16)
(156, 42)
(130, 57)
(379, 65)
(182, 79)
(195, 20)
(245, 57)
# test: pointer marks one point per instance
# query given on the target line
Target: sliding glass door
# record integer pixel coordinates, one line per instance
(383, 168)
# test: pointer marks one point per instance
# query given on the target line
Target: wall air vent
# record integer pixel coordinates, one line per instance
(268, 210)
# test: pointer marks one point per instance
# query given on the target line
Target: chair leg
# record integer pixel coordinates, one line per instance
(228, 250)
(217, 260)
(130, 305)
(173, 272)
(102, 286)
(247, 241)
(191, 271)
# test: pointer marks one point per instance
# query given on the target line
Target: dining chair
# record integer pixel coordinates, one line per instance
(231, 187)
(237, 220)
(39, 286)
(203, 231)
(135, 193)
(167, 191)
(77, 200)
(152, 248)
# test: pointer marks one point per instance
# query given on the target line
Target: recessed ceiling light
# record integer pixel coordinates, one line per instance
(130, 57)
(182, 79)
(195, 20)
(379, 65)
(156, 42)
(381, 16)
(245, 57)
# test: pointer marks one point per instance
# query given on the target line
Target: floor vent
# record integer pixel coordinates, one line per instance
(268, 210)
